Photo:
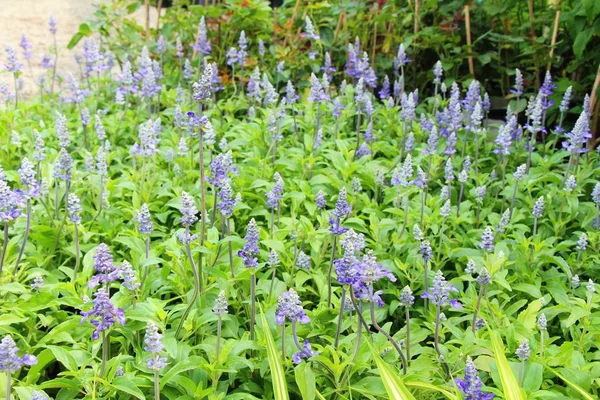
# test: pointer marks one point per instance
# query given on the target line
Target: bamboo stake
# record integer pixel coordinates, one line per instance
(374, 45)
(338, 26)
(147, 5)
(158, 8)
(554, 34)
(417, 15)
(469, 42)
(532, 34)
(595, 110)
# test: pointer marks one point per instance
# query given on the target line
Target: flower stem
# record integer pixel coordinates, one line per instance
(388, 336)
(473, 323)
(407, 335)
(4, 246)
(8, 384)
(218, 349)
(156, 385)
(252, 304)
(329, 288)
(436, 340)
(542, 343)
(340, 317)
(230, 250)
(77, 255)
(196, 286)
(283, 340)
(104, 352)
(25, 236)
(426, 282)
(358, 330)
(203, 199)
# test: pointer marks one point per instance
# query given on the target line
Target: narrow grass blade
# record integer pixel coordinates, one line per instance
(394, 386)
(431, 387)
(510, 386)
(280, 391)
(573, 385)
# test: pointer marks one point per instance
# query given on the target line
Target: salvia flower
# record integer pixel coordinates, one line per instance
(570, 184)
(538, 207)
(582, 242)
(303, 261)
(418, 233)
(518, 88)
(105, 267)
(63, 165)
(249, 252)
(306, 352)
(591, 286)
(542, 322)
(62, 131)
(438, 71)
(153, 344)
(470, 386)
(487, 240)
(37, 284)
(27, 178)
(220, 167)
(484, 277)
(74, 208)
(320, 200)
(273, 260)
(12, 64)
(579, 135)
(445, 209)
(38, 395)
(220, 307)
(202, 90)
(471, 267)
(406, 297)
(575, 282)
(202, 44)
(103, 315)
(523, 351)
(290, 93)
(226, 200)
(480, 193)
(342, 207)
(9, 360)
(426, 251)
(129, 276)
(290, 307)
(188, 210)
(439, 293)
(520, 173)
(144, 220)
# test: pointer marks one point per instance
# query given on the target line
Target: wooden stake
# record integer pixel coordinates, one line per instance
(417, 15)
(147, 4)
(553, 43)
(469, 42)
(158, 8)
(595, 110)
(374, 45)
(532, 34)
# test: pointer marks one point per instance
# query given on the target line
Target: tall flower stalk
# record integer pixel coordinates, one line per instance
(219, 310)
(483, 280)
(153, 345)
(74, 209)
(202, 93)
(31, 191)
(249, 255)
(439, 295)
(11, 362)
(188, 211)
(342, 210)
(407, 300)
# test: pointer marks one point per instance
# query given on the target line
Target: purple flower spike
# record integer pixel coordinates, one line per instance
(249, 252)
(9, 361)
(289, 307)
(103, 315)
(439, 293)
(470, 386)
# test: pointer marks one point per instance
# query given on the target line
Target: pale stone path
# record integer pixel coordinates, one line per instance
(31, 18)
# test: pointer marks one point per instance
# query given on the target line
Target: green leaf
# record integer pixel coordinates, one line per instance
(394, 386)
(64, 357)
(581, 42)
(305, 379)
(280, 391)
(510, 386)
(127, 386)
(431, 387)
(582, 392)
